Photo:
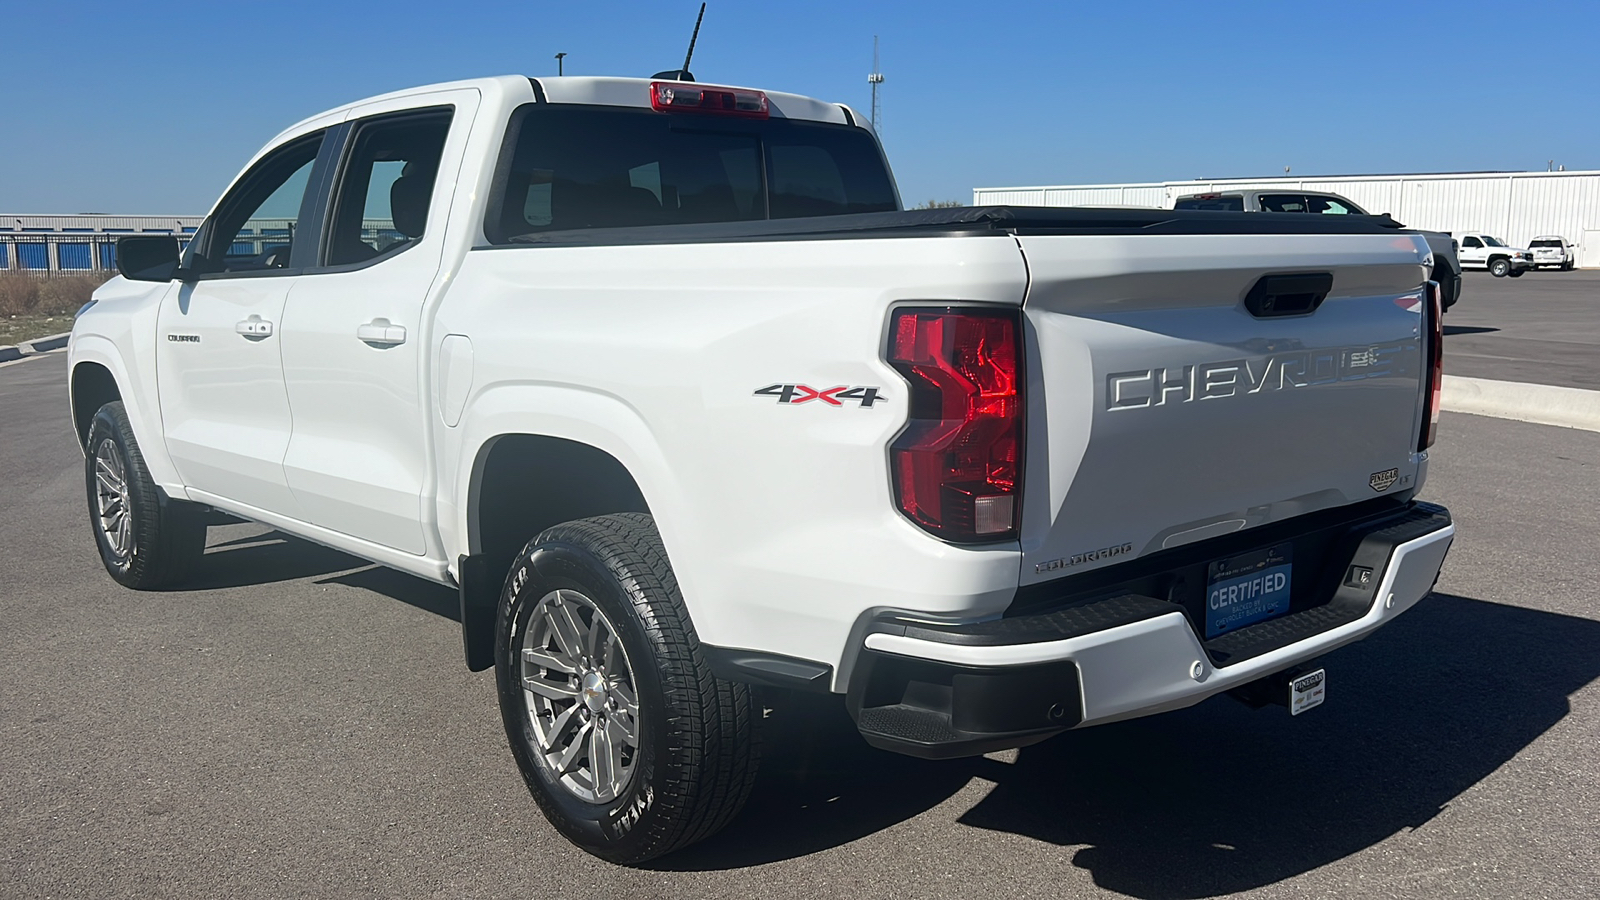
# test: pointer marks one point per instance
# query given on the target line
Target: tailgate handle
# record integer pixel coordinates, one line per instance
(1297, 294)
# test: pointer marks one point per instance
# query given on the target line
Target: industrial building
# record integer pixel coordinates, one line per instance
(1513, 206)
(85, 243)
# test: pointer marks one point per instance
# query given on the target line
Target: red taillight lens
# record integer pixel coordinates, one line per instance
(957, 467)
(683, 96)
(1433, 312)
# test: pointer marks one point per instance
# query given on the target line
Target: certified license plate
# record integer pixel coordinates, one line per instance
(1249, 588)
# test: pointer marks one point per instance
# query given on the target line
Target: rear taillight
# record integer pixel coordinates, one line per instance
(957, 467)
(682, 96)
(1433, 315)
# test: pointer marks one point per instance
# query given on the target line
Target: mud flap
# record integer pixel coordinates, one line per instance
(479, 594)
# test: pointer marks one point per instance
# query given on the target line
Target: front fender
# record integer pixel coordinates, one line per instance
(139, 398)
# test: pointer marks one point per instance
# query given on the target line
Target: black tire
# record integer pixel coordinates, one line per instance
(1499, 267)
(1518, 273)
(162, 538)
(697, 735)
(1567, 266)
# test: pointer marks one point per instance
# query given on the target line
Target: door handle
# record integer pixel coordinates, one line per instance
(382, 332)
(254, 327)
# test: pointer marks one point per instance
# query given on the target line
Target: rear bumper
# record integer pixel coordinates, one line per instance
(944, 691)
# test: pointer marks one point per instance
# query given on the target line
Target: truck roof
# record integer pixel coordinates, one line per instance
(601, 91)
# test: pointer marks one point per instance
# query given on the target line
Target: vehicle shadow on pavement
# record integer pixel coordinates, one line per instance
(820, 786)
(261, 556)
(1467, 329)
(1210, 800)
(248, 554)
(1221, 798)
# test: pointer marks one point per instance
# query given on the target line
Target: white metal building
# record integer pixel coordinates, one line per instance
(1513, 206)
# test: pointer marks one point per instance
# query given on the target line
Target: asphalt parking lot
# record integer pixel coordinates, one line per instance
(299, 723)
(1543, 327)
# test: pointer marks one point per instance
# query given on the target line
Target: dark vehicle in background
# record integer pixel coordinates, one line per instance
(1446, 264)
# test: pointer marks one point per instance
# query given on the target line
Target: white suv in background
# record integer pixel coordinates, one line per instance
(1553, 250)
(1484, 251)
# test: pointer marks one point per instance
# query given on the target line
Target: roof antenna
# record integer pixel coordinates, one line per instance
(684, 74)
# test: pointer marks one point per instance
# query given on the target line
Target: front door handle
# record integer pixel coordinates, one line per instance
(382, 332)
(254, 328)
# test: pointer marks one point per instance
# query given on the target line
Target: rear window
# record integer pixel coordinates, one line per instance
(1545, 244)
(1226, 204)
(569, 166)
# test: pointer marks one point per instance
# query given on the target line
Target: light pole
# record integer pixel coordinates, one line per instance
(560, 66)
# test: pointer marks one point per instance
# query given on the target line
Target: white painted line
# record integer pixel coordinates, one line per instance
(1545, 404)
(19, 361)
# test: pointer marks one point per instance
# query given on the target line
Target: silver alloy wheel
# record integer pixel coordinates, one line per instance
(111, 499)
(582, 702)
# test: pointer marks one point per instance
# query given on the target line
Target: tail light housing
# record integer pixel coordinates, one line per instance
(957, 466)
(681, 96)
(1433, 325)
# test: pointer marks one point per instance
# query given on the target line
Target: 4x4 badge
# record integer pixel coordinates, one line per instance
(794, 394)
(1382, 481)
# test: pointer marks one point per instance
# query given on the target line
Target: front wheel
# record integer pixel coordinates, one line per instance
(630, 745)
(1499, 268)
(146, 541)
(1518, 273)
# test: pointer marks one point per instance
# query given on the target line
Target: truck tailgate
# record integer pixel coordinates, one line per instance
(1205, 418)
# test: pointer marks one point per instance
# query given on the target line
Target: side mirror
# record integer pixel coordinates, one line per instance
(147, 257)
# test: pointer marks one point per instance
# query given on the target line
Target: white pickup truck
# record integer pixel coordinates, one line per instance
(663, 380)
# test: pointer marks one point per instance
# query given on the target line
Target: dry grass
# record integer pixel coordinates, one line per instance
(22, 293)
(32, 306)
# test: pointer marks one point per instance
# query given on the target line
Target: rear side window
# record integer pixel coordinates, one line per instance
(569, 167)
(386, 186)
(1286, 203)
(1227, 204)
(1332, 206)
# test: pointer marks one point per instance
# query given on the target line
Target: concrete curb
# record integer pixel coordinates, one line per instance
(1545, 404)
(37, 345)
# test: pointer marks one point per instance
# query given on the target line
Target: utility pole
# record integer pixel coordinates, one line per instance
(875, 79)
(560, 66)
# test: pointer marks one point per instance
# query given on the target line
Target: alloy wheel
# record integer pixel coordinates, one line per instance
(582, 700)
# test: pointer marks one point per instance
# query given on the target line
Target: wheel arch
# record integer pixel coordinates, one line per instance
(92, 386)
(522, 483)
(108, 371)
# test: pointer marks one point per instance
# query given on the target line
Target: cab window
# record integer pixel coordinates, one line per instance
(381, 205)
(255, 225)
(1471, 243)
(1286, 203)
(1332, 206)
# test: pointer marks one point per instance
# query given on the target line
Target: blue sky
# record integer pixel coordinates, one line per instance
(152, 107)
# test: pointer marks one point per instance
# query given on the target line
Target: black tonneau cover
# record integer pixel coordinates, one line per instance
(973, 220)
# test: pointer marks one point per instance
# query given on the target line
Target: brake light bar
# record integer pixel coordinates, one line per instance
(681, 96)
(1433, 320)
(957, 467)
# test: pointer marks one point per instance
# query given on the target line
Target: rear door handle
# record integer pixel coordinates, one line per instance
(382, 332)
(254, 327)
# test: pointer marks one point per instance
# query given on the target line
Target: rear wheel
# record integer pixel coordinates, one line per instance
(630, 745)
(1499, 267)
(146, 541)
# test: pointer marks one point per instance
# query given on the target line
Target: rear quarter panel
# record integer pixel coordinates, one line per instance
(778, 518)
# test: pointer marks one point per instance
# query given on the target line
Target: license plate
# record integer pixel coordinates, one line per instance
(1249, 588)
(1307, 691)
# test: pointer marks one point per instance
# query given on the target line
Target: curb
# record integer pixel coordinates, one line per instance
(1544, 404)
(37, 345)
